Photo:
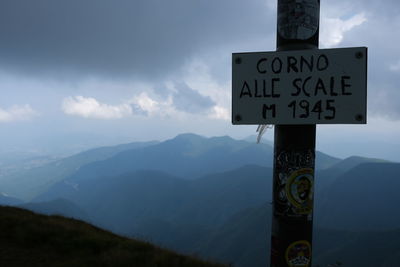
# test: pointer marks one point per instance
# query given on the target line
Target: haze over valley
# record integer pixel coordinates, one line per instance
(212, 197)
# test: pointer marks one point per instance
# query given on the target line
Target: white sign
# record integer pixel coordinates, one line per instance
(321, 86)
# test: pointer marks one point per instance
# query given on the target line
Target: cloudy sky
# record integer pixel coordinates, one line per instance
(125, 70)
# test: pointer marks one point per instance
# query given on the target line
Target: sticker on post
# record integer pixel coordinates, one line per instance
(298, 254)
(298, 19)
(299, 190)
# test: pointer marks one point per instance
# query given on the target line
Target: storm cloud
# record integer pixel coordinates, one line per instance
(189, 100)
(141, 38)
(135, 66)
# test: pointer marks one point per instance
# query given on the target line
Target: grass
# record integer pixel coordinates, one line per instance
(29, 239)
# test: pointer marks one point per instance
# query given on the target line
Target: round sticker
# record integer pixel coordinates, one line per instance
(298, 254)
(299, 190)
(298, 19)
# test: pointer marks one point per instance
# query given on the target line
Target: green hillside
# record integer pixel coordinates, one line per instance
(29, 239)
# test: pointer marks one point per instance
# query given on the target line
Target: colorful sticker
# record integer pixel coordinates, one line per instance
(287, 164)
(298, 254)
(297, 159)
(298, 19)
(299, 190)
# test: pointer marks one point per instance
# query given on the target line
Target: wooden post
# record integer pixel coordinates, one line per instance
(294, 150)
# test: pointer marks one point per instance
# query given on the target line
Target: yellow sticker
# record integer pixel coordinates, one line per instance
(298, 254)
(299, 190)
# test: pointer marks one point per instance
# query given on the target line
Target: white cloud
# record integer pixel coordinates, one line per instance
(198, 76)
(144, 104)
(220, 113)
(17, 113)
(89, 107)
(333, 29)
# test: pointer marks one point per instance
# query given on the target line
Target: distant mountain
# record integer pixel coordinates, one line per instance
(325, 177)
(364, 198)
(324, 161)
(216, 197)
(351, 162)
(245, 240)
(9, 201)
(38, 240)
(123, 202)
(188, 156)
(210, 202)
(196, 216)
(26, 184)
(362, 248)
(377, 147)
(59, 206)
(253, 139)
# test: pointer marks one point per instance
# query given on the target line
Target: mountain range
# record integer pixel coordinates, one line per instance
(211, 197)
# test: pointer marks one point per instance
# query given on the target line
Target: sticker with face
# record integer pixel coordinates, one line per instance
(298, 19)
(298, 254)
(299, 190)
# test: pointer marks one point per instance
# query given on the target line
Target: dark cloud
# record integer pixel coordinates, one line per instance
(161, 90)
(121, 37)
(188, 100)
(153, 38)
(382, 7)
(378, 33)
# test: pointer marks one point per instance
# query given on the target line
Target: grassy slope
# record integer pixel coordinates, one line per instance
(29, 239)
